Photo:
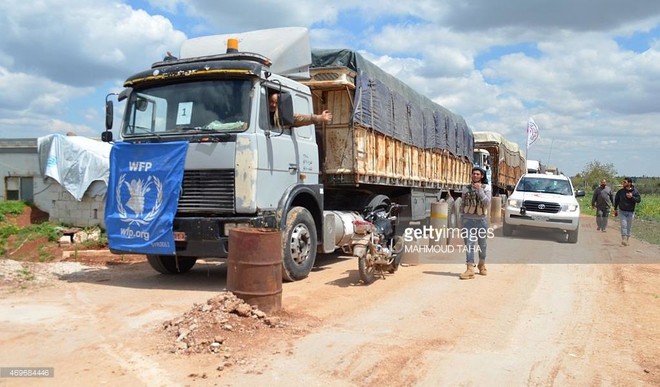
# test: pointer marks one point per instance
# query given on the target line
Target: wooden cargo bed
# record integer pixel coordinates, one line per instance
(353, 154)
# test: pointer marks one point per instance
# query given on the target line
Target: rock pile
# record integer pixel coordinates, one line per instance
(217, 325)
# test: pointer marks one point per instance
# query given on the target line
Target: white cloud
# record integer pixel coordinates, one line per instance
(591, 97)
(29, 94)
(81, 43)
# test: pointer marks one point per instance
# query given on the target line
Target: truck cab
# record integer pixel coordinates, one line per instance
(245, 166)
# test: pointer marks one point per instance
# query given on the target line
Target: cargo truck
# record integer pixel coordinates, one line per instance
(502, 159)
(386, 144)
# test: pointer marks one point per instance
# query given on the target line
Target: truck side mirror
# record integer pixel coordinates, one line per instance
(579, 193)
(109, 114)
(285, 109)
(106, 136)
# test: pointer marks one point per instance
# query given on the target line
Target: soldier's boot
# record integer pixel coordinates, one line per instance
(482, 267)
(624, 241)
(469, 272)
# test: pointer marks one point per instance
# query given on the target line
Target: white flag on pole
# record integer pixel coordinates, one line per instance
(532, 132)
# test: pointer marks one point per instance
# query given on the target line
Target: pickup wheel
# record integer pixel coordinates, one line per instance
(170, 264)
(573, 236)
(298, 244)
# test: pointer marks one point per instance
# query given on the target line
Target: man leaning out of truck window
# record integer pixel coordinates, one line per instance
(298, 119)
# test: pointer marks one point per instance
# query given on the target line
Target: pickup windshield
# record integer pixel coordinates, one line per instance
(552, 186)
(203, 106)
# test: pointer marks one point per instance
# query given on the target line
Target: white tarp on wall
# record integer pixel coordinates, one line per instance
(75, 163)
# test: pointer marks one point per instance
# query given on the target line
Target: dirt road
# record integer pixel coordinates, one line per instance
(524, 324)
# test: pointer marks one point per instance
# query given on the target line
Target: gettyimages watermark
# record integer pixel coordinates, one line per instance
(428, 244)
(438, 234)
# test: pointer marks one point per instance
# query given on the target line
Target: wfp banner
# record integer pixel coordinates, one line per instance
(143, 190)
(532, 132)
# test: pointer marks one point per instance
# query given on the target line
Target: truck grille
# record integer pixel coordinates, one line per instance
(547, 207)
(207, 191)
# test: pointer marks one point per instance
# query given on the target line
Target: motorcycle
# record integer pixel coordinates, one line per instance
(375, 243)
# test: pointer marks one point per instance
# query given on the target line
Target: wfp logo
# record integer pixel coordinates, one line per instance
(138, 190)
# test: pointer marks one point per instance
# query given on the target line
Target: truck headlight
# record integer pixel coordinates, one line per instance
(570, 207)
(515, 203)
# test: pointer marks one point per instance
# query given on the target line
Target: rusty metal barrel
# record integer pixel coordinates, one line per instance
(254, 267)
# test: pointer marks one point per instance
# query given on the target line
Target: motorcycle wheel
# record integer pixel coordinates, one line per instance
(366, 269)
(393, 268)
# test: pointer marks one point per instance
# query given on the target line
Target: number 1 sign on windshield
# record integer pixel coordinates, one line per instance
(184, 115)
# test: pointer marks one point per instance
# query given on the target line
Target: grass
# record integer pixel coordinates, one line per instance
(51, 231)
(647, 217)
(26, 274)
(9, 228)
(11, 208)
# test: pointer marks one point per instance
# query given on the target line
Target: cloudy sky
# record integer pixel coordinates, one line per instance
(587, 71)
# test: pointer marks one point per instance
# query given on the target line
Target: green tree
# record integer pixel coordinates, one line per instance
(593, 173)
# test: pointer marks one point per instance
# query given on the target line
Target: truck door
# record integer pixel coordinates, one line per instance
(278, 158)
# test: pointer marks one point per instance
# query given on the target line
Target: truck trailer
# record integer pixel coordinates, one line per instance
(386, 144)
(502, 159)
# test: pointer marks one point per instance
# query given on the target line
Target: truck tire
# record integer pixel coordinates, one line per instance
(456, 210)
(453, 216)
(298, 244)
(170, 264)
(450, 216)
(573, 236)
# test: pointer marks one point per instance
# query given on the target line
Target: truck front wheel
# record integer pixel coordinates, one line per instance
(298, 244)
(170, 264)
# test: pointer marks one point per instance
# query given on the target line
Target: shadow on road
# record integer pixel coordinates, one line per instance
(443, 273)
(548, 235)
(206, 275)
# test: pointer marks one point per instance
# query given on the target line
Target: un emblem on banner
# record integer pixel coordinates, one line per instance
(137, 190)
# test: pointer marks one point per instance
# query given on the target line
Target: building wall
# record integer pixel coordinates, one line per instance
(64, 208)
(19, 157)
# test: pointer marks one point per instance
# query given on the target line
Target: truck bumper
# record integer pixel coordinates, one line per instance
(205, 237)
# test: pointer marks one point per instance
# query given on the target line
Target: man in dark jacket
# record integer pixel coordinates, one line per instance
(624, 204)
(602, 201)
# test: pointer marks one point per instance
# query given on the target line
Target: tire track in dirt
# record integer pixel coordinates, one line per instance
(102, 318)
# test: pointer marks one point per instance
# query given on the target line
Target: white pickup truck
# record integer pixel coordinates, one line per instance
(543, 201)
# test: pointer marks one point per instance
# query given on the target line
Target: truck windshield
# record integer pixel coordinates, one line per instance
(204, 106)
(553, 186)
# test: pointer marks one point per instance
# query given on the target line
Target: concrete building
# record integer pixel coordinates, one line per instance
(22, 179)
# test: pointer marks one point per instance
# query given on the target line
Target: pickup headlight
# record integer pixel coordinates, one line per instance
(515, 203)
(570, 207)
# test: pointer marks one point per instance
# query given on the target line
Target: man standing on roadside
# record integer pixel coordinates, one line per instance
(602, 201)
(474, 209)
(624, 204)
